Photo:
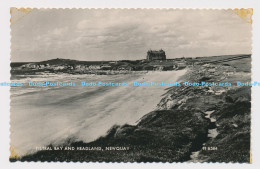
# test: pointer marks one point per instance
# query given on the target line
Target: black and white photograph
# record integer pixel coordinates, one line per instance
(130, 85)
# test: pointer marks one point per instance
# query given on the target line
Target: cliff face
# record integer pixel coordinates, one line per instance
(181, 126)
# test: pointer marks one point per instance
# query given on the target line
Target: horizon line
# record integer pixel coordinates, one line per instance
(126, 59)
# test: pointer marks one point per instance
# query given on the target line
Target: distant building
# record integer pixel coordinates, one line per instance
(59, 67)
(28, 66)
(94, 67)
(156, 55)
(179, 65)
(159, 67)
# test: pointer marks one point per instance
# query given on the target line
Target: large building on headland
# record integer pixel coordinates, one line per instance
(156, 55)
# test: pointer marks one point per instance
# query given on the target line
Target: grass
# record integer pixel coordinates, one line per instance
(170, 134)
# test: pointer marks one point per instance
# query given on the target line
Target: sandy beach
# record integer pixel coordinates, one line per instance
(80, 113)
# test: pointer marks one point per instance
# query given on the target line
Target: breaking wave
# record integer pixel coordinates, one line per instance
(42, 116)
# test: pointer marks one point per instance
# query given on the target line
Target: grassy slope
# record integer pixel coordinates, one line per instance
(172, 133)
(158, 137)
(233, 118)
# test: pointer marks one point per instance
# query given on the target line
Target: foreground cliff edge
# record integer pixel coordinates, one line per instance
(196, 124)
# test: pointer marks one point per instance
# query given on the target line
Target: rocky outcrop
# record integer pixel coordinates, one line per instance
(178, 128)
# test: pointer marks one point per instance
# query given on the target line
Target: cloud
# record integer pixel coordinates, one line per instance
(59, 31)
(128, 34)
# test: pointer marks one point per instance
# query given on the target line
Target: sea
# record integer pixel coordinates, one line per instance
(41, 116)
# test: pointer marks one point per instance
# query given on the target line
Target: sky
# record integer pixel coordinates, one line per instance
(125, 34)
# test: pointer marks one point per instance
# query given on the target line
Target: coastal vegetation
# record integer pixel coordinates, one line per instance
(191, 123)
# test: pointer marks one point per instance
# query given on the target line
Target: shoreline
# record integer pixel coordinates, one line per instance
(95, 110)
(178, 127)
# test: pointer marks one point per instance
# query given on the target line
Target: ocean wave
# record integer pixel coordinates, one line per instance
(52, 116)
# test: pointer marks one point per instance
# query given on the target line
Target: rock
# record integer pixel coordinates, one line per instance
(229, 99)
